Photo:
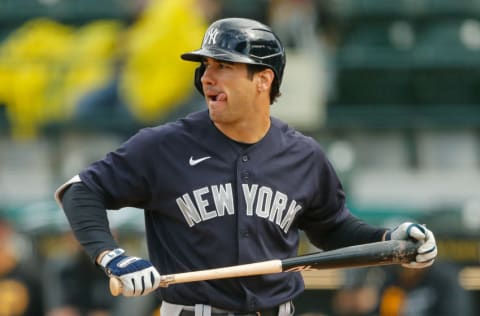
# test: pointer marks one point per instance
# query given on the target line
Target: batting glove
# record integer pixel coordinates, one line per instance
(138, 276)
(427, 252)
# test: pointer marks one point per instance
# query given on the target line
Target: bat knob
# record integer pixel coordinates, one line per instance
(115, 286)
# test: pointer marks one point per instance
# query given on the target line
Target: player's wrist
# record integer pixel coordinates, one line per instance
(100, 256)
(107, 256)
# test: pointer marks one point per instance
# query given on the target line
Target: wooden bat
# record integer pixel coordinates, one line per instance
(372, 254)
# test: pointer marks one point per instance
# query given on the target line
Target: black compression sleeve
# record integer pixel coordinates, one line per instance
(352, 231)
(87, 216)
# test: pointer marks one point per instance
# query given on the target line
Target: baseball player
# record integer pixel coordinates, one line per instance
(224, 186)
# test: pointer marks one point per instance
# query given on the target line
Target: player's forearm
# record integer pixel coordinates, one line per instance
(352, 231)
(88, 219)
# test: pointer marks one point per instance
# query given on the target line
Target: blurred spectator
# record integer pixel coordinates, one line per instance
(29, 60)
(154, 81)
(20, 289)
(396, 291)
(359, 295)
(91, 61)
(424, 292)
(127, 70)
(105, 103)
(45, 66)
(146, 86)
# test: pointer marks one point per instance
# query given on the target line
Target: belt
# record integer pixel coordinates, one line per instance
(268, 312)
(207, 310)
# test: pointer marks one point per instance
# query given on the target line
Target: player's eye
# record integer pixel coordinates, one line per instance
(225, 65)
(217, 65)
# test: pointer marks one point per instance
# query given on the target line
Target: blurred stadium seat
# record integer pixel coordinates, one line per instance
(410, 56)
(66, 10)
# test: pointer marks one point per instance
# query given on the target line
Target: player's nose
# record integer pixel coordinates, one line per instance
(208, 77)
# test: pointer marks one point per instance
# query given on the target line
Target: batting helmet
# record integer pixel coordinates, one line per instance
(240, 40)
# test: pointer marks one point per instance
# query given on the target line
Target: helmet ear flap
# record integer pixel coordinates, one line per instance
(198, 76)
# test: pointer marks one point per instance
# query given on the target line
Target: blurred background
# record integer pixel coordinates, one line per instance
(390, 89)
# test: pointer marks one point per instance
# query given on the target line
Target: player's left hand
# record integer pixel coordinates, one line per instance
(138, 276)
(427, 252)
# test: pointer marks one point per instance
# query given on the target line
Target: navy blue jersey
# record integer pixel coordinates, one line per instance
(212, 202)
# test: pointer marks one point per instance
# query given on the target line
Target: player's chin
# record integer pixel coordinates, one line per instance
(216, 105)
(217, 110)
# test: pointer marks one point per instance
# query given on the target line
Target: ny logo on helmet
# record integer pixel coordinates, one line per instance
(211, 37)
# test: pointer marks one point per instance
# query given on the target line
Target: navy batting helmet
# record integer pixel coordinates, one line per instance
(240, 40)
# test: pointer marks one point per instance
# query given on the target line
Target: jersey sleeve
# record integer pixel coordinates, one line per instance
(122, 177)
(327, 209)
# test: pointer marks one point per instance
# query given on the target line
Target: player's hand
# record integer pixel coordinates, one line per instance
(138, 276)
(427, 252)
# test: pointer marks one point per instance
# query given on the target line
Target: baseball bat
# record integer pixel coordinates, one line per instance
(365, 255)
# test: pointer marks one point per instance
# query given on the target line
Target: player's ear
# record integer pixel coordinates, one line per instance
(265, 79)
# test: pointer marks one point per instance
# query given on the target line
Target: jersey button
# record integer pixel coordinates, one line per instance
(245, 158)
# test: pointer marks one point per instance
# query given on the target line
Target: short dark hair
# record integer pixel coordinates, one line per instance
(274, 89)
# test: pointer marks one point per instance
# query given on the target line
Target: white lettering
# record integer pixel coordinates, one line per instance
(203, 203)
(264, 201)
(290, 216)
(249, 195)
(212, 36)
(278, 207)
(189, 210)
(223, 198)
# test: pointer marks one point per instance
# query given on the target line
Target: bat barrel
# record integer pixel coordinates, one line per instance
(372, 254)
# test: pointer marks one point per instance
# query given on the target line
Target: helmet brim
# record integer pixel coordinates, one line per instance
(199, 55)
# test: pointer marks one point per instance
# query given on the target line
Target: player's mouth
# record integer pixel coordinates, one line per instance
(214, 97)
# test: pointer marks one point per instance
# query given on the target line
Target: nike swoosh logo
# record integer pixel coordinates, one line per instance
(194, 162)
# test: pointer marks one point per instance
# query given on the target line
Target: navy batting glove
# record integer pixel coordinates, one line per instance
(427, 252)
(138, 276)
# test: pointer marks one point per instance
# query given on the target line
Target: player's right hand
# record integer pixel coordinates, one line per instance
(138, 276)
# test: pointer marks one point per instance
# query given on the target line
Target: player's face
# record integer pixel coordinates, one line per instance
(229, 91)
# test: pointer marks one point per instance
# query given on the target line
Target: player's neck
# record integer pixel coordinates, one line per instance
(247, 132)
